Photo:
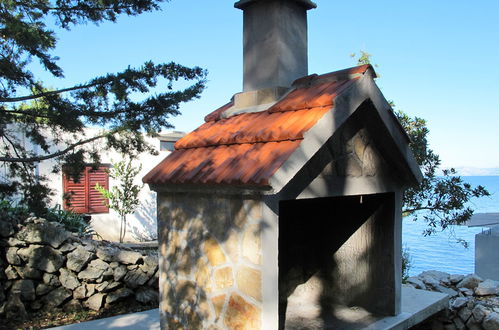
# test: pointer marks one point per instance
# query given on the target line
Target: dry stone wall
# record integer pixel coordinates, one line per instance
(42, 266)
(474, 302)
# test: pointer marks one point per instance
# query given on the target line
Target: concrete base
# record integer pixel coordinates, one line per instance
(417, 306)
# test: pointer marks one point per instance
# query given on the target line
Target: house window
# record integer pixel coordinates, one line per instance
(81, 196)
(166, 145)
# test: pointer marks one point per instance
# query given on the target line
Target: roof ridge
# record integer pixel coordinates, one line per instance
(240, 143)
(344, 74)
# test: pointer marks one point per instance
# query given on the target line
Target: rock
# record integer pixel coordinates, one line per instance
(94, 270)
(57, 297)
(111, 254)
(479, 312)
(45, 233)
(80, 292)
(150, 265)
(135, 278)
(487, 287)
(147, 296)
(68, 279)
(36, 305)
(42, 289)
(67, 247)
(154, 281)
(15, 242)
(473, 324)
(491, 322)
(26, 289)
(51, 280)
(95, 302)
(466, 291)
(11, 273)
(464, 313)
(119, 273)
(455, 278)
(469, 282)
(101, 287)
(458, 303)
(6, 228)
(73, 305)
(416, 282)
(132, 267)
(78, 259)
(90, 289)
(118, 295)
(437, 275)
(114, 264)
(42, 257)
(446, 290)
(28, 272)
(459, 324)
(12, 256)
(14, 308)
(429, 280)
(128, 257)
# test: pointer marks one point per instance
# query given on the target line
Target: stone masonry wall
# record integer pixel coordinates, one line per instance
(473, 304)
(210, 262)
(42, 267)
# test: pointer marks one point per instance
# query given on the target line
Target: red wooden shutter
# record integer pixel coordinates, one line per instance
(76, 193)
(83, 198)
(97, 203)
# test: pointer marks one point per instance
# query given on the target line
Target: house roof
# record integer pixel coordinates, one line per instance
(248, 148)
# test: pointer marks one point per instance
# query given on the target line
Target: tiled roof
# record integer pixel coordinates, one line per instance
(248, 148)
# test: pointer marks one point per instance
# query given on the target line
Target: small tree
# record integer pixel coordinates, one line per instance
(124, 197)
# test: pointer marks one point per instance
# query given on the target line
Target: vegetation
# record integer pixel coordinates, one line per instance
(39, 123)
(124, 197)
(441, 199)
(71, 221)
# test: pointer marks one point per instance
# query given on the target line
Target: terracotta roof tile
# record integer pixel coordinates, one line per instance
(247, 149)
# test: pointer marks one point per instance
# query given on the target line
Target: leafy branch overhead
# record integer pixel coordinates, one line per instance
(442, 198)
(41, 123)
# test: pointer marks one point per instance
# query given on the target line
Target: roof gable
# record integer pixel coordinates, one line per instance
(248, 149)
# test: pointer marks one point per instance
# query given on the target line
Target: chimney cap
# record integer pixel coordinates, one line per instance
(308, 4)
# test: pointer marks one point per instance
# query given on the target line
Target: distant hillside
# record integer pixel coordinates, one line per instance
(472, 171)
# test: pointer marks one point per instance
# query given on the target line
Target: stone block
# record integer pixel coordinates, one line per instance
(203, 274)
(51, 280)
(231, 245)
(94, 270)
(28, 272)
(487, 287)
(42, 257)
(26, 289)
(119, 272)
(68, 279)
(470, 282)
(95, 302)
(491, 322)
(135, 278)
(147, 296)
(249, 281)
(223, 278)
(46, 233)
(241, 314)
(252, 246)
(42, 289)
(12, 256)
(56, 297)
(480, 312)
(214, 252)
(11, 273)
(117, 295)
(78, 259)
(218, 303)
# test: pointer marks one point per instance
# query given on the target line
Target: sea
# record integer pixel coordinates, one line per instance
(442, 251)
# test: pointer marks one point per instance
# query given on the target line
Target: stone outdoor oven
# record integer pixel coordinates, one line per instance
(286, 202)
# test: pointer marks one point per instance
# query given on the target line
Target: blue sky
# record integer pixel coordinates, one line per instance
(437, 59)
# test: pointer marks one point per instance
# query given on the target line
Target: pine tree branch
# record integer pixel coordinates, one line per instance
(53, 155)
(48, 93)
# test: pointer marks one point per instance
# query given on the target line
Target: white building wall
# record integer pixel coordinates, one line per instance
(142, 225)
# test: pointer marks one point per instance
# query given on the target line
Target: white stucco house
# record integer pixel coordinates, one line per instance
(84, 199)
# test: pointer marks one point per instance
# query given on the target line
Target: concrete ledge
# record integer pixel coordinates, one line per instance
(417, 306)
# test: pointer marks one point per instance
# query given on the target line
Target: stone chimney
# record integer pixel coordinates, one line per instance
(275, 42)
